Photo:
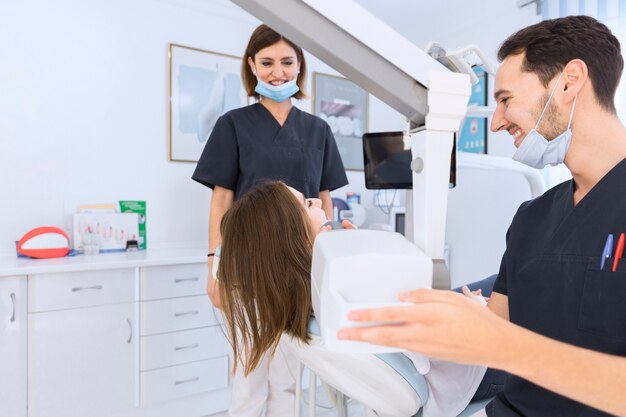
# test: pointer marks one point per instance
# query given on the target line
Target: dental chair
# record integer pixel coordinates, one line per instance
(387, 385)
(364, 377)
(355, 269)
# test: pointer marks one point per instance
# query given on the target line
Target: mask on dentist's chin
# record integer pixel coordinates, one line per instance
(536, 151)
(278, 93)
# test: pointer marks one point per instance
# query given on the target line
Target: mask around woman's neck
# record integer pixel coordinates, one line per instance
(536, 151)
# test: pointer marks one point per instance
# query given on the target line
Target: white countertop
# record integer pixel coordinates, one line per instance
(11, 266)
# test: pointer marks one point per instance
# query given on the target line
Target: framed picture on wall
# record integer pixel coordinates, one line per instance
(203, 85)
(344, 106)
(473, 132)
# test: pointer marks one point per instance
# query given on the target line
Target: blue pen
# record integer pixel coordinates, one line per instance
(607, 252)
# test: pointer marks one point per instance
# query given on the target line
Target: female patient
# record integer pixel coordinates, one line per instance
(265, 288)
(264, 270)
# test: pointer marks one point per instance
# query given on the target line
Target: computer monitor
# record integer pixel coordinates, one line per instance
(387, 161)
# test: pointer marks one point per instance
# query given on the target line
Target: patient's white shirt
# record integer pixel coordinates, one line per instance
(451, 386)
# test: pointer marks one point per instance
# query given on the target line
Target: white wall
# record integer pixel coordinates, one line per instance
(83, 106)
(83, 109)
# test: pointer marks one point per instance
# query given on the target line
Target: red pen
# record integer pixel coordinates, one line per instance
(619, 251)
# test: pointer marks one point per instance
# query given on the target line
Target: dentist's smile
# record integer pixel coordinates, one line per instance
(518, 136)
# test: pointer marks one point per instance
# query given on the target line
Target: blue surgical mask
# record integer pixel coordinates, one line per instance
(536, 151)
(278, 93)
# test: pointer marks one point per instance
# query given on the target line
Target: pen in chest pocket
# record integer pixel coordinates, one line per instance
(619, 251)
(607, 252)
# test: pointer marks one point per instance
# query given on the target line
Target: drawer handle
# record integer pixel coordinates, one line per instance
(12, 319)
(194, 346)
(130, 327)
(193, 279)
(185, 381)
(95, 287)
(187, 313)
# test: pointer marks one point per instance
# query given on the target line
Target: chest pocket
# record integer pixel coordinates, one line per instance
(603, 300)
(568, 298)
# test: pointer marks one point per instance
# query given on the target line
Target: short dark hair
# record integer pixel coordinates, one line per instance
(551, 44)
(262, 37)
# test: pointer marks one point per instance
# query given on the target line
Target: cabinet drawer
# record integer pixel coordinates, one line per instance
(179, 381)
(184, 313)
(173, 281)
(80, 289)
(182, 347)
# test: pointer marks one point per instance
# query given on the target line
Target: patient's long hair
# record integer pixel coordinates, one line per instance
(264, 272)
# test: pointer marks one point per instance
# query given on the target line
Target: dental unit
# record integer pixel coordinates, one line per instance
(360, 269)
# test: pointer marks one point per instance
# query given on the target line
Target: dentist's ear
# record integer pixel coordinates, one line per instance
(575, 74)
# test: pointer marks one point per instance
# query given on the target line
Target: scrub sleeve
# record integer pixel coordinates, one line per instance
(218, 164)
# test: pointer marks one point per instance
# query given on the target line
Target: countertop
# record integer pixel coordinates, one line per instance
(11, 265)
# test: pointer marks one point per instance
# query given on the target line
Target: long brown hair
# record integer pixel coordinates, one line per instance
(265, 272)
(262, 37)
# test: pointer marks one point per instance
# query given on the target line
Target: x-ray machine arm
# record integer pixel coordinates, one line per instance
(371, 54)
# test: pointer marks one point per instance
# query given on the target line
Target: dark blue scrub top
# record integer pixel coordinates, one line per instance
(248, 146)
(551, 275)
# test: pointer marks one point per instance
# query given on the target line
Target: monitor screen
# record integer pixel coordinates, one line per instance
(387, 161)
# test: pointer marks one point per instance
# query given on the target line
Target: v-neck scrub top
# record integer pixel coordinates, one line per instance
(555, 287)
(248, 146)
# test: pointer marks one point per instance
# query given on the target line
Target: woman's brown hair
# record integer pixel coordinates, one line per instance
(264, 272)
(262, 37)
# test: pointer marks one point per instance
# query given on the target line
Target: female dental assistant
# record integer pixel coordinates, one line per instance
(268, 140)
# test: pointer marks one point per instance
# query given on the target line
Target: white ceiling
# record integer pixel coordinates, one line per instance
(423, 21)
(454, 23)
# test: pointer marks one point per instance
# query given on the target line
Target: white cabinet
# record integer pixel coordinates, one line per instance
(83, 361)
(175, 382)
(183, 350)
(115, 335)
(48, 292)
(13, 334)
(183, 313)
(176, 348)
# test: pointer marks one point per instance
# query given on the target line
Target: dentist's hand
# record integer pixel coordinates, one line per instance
(440, 324)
